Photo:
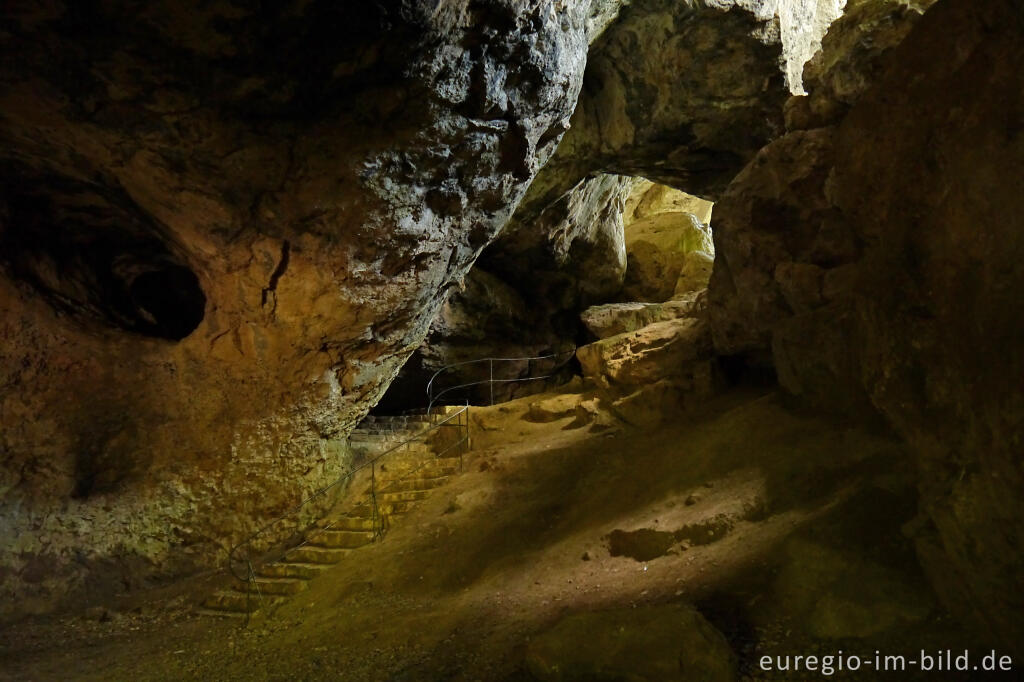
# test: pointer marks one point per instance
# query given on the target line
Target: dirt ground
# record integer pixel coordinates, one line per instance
(706, 510)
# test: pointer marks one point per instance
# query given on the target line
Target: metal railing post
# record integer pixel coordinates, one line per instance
(490, 382)
(375, 514)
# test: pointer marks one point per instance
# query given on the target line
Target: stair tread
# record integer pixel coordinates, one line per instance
(220, 613)
(406, 478)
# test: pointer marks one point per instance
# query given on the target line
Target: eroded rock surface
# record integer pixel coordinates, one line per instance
(879, 258)
(223, 231)
(617, 318)
(673, 642)
(647, 375)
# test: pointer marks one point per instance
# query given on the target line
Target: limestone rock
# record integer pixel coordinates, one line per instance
(656, 251)
(851, 58)
(657, 351)
(563, 406)
(683, 95)
(648, 199)
(662, 401)
(617, 318)
(574, 250)
(214, 262)
(695, 274)
(943, 281)
(573, 255)
(802, 25)
(672, 642)
(839, 595)
(903, 206)
(772, 223)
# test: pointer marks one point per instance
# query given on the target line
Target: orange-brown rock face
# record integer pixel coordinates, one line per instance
(222, 231)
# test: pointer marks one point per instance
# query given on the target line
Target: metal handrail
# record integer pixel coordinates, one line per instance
(247, 541)
(235, 559)
(432, 397)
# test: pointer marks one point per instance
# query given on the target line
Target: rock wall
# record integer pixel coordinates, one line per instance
(674, 91)
(669, 249)
(877, 254)
(223, 230)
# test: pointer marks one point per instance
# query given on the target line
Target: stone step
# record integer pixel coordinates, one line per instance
(281, 585)
(415, 484)
(237, 602)
(404, 477)
(427, 468)
(218, 613)
(344, 539)
(307, 554)
(380, 435)
(351, 523)
(291, 569)
(402, 496)
(365, 509)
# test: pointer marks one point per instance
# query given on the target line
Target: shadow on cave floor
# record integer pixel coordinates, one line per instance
(778, 525)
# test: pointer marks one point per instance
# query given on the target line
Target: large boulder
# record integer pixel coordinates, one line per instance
(775, 213)
(611, 319)
(836, 594)
(672, 642)
(694, 275)
(648, 199)
(223, 229)
(649, 354)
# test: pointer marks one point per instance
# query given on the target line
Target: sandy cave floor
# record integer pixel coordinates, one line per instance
(522, 538)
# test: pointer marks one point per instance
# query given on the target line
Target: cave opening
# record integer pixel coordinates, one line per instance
(627, 247)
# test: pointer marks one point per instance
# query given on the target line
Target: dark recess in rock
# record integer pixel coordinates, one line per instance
(92, 254)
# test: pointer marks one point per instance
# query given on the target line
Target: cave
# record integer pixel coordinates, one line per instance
(498, 340)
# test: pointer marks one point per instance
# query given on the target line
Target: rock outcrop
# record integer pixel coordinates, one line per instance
(645, 374)
(572, 256)
(637, 118)
(618, 318)
(223, 230)
(879, 258)
(671, 642)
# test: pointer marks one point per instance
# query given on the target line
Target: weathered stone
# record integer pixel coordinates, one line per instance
(657, 351)
(771, 215)
(943, 280)
(904, 206)
(574, 251)
(671, 642)
(574, 256)
(558, 407)
(656, 251)
(695, 274)
(648, 199)
(616, 318)
(662, 401)
(214, 261)
(679, 94)
(802, 24)
(839, 595)
(851, 58)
